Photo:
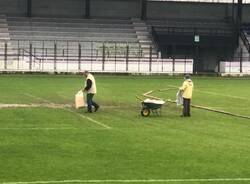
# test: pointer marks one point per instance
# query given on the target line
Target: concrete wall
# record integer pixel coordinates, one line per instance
(13, 7)
(115, 8)
(58, 8)
(121, 9)
(246, 13)
(182, 10)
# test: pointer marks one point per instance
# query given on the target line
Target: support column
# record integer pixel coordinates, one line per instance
(87, 9)
(196, 59)
(143, 9)
(239, 12)
(30, 57)
(5, 55)
(103, 57)
(29, 8)
(79, 56)
(55, 56)
(239, 19)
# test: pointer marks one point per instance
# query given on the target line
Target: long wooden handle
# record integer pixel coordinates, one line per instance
(215, 110)
(147, 94)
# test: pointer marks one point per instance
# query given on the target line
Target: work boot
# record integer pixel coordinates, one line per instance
(96, 108)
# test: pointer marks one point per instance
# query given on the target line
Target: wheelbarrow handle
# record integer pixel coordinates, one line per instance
(139, 98)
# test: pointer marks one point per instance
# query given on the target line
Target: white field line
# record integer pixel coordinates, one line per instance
(38, 128)
(90, 119)
(85, 117)
(216, 94)
(215, 180)
(50, 104)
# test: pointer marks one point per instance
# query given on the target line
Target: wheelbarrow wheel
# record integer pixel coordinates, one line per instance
(145, 112)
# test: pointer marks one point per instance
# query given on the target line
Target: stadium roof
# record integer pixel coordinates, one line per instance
(208, 1)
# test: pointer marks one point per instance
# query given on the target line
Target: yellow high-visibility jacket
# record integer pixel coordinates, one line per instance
(187, 88)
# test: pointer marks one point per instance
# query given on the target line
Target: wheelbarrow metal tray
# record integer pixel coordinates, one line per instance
(153, 104)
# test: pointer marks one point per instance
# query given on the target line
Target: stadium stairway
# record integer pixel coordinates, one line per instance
(246, 31)
(144, 37)
(243, 49)
(4, 32)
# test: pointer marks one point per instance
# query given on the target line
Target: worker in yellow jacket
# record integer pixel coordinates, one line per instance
(187, 90)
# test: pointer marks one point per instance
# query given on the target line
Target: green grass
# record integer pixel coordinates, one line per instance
(207, 145)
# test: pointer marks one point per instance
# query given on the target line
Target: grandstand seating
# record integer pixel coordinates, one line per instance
(92, 33)
(71, 29)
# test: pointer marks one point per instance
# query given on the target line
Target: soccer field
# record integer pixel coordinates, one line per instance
(48, 141)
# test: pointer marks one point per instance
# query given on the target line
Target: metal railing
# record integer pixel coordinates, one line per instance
(71, 56)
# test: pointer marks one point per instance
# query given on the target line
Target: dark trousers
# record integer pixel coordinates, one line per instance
(90, 102)
(186, 107)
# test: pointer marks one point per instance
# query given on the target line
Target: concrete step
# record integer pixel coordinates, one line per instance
(53, 24)
(141, 28)
(70, 20)
(4, 30)
(62, 38)
(142, 33)
(73, 34)
(139, 24)
(68, 29)
(4, 34)
(143, 37)
(5, 38)
(145, 41)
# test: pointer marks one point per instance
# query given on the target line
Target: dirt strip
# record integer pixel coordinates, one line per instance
(55, 106)
(49, 105)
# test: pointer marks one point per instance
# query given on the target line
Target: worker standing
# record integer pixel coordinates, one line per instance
(187, 91)
(90, 89)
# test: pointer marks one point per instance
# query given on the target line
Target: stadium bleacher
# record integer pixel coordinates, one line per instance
(71, 29)
(95, 31)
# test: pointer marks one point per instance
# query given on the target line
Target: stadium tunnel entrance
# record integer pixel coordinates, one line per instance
(206, 46)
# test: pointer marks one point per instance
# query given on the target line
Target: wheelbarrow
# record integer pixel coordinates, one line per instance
(151, 105)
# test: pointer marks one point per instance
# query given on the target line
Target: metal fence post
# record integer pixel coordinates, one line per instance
(218, 66)
(5, 55)
(91, 57)
(18, 55)
(79, 57)
(103, 57)
(173, 70)
(150, 58)
(127, 55)
(185, 65)
(55, 55)
(173, 57)
(241, 60)
(34, 54)
(67, 56)
(30, 56)
(139, 58)
(43, 56)
(115, 55)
